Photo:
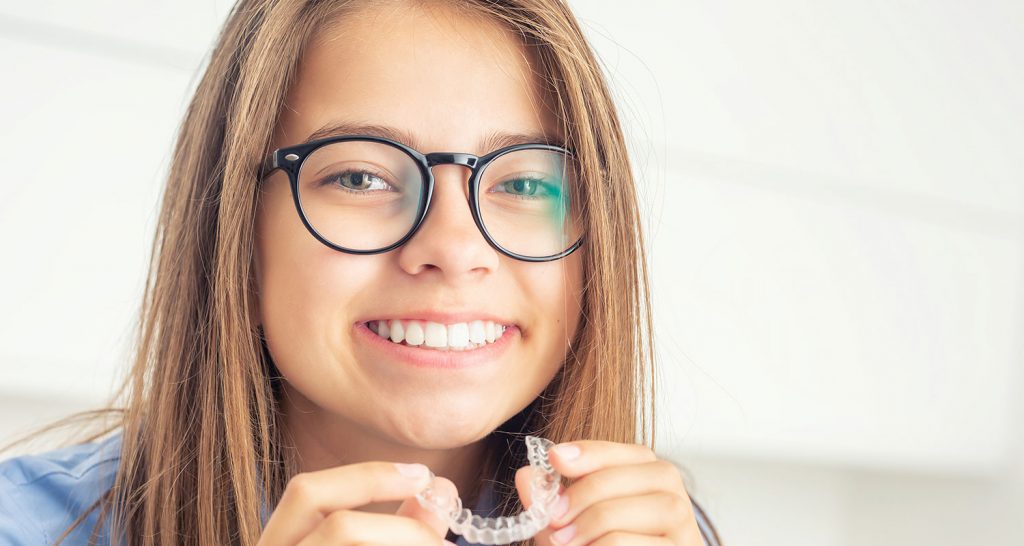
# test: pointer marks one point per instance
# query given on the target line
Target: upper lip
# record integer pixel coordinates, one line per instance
(442, 317)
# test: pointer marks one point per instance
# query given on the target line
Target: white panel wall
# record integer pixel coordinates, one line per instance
(834, 198)
(837, 214)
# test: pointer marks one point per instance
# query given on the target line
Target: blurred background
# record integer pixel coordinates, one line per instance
(834, 199)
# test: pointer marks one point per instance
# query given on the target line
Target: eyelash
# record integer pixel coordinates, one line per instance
(543, 188)
(337, 176)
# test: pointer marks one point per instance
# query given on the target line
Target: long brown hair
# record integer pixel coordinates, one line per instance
(199, 408)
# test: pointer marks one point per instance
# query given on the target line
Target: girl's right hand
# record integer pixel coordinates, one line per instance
(320, 507)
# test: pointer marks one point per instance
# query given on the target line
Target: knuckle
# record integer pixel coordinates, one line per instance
(669, 471)
(677, 504)
(337, 523)
(299, 489)
(665, 467)
(381, 471)
(597, 514)
(384, 467)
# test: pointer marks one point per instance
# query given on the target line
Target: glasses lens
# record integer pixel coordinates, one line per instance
(360, 195)
(528, 202)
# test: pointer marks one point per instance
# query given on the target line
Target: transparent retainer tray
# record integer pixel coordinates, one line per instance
(507, 529)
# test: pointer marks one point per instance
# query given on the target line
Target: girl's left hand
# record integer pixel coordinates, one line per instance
(622, 495)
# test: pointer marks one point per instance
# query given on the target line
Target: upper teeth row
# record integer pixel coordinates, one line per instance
(435, 334)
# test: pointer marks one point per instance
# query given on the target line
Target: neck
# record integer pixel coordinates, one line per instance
(322, 440)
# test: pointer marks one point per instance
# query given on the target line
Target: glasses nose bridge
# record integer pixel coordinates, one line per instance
(452, 158)
(469, 161)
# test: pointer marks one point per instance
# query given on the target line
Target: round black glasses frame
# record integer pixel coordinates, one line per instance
(290, 158)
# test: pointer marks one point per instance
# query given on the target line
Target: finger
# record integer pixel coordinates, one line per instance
(654, 514)
(411, 508)
(618, 481)
(354, 527)
(575, 459)
(523, 476)
(523, 485)
(310, 497)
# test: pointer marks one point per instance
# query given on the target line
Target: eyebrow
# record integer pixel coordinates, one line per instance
(490, 142)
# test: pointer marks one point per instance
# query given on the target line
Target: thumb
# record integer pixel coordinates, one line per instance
(412, 508)
(523, 476)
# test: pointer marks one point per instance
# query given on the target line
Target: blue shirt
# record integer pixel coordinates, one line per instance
(41, 495)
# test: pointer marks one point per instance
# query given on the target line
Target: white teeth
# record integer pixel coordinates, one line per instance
(458, 335)
(435, 335)
(414, 333)
(461, 336)
(477, 331)
(397, 331)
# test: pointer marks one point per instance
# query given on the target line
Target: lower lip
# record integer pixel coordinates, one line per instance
(432, 358)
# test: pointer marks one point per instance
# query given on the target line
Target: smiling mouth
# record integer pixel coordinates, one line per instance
(424, 334)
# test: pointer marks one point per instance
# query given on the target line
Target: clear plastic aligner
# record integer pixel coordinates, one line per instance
(504, 530)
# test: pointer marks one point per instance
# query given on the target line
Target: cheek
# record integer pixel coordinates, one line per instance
(305, 289)
(556, 292)
(574, 289)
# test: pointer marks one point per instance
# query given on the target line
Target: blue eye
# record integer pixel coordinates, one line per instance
(528, 188)
(524, 186)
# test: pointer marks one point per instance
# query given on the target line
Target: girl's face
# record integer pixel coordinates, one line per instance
(449, 82)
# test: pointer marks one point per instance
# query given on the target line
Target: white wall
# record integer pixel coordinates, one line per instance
(835, 202)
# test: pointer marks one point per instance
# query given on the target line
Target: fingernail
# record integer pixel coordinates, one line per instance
(567, 452)
(564, 535)
(414, 470)
(560, 507)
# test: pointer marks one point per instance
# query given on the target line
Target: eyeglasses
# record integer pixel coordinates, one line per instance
(364, 194)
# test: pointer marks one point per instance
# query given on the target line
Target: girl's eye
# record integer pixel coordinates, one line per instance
(357, 182)
(527, 188)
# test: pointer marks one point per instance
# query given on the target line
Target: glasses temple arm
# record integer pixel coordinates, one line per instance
(269, 165)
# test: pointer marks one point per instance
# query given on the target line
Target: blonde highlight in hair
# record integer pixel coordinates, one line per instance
(200, 417)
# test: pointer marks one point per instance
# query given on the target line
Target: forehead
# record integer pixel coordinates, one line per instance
(445, 78)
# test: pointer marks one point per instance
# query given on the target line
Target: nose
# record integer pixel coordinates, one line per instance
(449, 241)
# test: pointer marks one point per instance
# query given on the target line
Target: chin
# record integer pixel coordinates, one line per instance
(444, 430)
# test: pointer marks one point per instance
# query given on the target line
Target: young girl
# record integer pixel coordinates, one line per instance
(396, 235)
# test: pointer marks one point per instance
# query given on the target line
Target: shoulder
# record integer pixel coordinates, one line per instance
(43, 494)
